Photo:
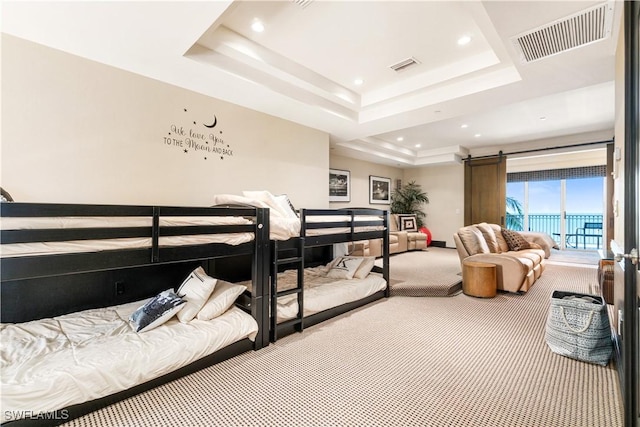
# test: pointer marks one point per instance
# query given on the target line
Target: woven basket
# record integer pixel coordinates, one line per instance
(578, 327)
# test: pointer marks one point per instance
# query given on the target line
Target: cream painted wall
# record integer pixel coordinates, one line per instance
(445, 187)
(360, 171)
(77, 131)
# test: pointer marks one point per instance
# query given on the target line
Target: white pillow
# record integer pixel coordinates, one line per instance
(156, 311)
(344, 267)
(269, 199)
(220, 300)
(285, 205)
(232, 199)
(195, 290)
(365, 268)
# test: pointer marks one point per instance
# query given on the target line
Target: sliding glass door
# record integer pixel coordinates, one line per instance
(570, 210)
(583, 213)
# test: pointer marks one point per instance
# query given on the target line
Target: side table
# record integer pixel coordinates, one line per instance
(479, 279)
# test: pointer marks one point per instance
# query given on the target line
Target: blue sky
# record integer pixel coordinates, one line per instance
(583, 195)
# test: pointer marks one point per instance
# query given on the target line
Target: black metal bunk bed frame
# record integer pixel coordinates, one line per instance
(34, 287)
(299, 244)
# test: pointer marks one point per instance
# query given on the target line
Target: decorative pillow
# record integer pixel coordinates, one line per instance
(195, 290)
(489, 237)
(365, 267)
(407, 223)
(222, 298)
(156, 311)
(515, 240)
(344, 267)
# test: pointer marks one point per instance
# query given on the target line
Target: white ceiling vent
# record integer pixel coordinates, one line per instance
(302, 3)
(574, 31)
(403, 65)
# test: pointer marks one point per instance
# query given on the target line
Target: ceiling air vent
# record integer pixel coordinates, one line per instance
(574, 31)
(403, 65)
(302, 3)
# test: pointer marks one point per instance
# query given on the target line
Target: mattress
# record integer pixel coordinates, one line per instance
(77, 246)
(284, 222)
(322, 292)
(341, 218)
(50, 364)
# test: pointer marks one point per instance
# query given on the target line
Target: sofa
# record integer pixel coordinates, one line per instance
(403, 236)
(519, 263)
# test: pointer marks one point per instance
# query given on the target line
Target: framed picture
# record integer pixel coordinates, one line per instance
(379, 190)
(339, 185)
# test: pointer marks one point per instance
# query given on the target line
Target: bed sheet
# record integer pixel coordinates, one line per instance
(49, 364)
(78, 246)
(284, 223)
(322, 292)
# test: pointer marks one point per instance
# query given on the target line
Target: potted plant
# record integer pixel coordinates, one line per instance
(409, 199)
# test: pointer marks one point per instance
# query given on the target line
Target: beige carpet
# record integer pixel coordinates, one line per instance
(458, 361)
(434, 272)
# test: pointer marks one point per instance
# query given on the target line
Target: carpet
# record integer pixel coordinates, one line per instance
(459, 361)
(433, 272)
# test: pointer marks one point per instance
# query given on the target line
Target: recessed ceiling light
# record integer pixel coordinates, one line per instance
(418, 145)
(477, 135)
(358, 81)
(257, 26)
(400, 139)
(464, 40)
(464, 126)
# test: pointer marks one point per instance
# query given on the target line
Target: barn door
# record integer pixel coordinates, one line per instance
(485, 186)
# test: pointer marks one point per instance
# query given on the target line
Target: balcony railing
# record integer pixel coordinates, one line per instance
(576, 237)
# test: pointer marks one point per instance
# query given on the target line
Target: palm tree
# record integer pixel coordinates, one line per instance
(408, 200)
(514, 214)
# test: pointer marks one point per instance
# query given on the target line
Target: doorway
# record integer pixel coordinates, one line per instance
(570, 209)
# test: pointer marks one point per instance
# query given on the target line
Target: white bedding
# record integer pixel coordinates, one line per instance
(322, 292)
(42, 248)
(338, 218)
(50, 364)
(283, 222)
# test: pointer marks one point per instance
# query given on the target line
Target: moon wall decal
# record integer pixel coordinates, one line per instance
(215, 122)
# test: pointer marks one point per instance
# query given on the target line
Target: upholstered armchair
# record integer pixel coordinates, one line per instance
(406, 228)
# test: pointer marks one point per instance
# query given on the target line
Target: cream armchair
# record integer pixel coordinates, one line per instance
(399, 241)
(407, 240)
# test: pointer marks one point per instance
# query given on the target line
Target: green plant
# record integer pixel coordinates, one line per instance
(514, 214)
(409, 199)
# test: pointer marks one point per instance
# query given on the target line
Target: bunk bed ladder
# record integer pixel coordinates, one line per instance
(298, 261)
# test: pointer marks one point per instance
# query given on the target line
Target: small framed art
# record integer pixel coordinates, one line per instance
(339, 185)
(379, 190)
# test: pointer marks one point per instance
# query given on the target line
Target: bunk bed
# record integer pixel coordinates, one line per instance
(292, 234)
(72, 275)
(307, 295)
